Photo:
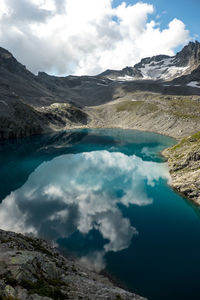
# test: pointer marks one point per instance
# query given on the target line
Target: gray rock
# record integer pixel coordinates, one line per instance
(43, 274)
(184, 165)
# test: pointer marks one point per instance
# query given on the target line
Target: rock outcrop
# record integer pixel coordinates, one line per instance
(31, 269)
(189, 55)
(184, 164)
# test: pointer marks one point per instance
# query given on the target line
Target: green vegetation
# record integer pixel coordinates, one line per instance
(191, 141)
(119, 297)
(184, 107)
(180, 106)
(3, 241)
(45, 287)
(134, 106)
(128, 105)
(38, 247)
(10, 281)
(179, 145)
(182, 115)
(195, 137)
(184, 163)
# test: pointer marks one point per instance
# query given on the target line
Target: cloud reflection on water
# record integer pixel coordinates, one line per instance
(82, 192)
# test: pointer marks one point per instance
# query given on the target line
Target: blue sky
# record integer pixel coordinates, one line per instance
(187, 11)
(89, 36)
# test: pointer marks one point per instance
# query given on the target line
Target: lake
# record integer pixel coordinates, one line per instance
(103, 196)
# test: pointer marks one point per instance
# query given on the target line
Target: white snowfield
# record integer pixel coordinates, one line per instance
(164, 69)
(195, 84)
(126, 78)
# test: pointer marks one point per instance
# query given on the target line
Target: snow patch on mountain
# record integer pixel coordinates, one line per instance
(161, 67)
(164, 69)
(195, 84)
(125, 78)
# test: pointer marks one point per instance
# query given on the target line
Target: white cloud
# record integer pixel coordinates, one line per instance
(94, 261)
(82, 192)
(84, 36)
(12, 217)
(97, 182)
(116, 229)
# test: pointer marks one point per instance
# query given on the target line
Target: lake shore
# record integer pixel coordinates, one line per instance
(31, 269)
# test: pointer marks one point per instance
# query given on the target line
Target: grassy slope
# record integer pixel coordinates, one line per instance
(177, 116)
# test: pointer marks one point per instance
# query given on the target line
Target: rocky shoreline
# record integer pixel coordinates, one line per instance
(183, 159)
(184, 166)
(31, 269)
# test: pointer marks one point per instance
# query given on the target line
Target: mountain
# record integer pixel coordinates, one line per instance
(159, 94)
(22, 97)
(161, 67)
(152, 94)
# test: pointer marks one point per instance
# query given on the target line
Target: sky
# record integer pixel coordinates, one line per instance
(86, 37)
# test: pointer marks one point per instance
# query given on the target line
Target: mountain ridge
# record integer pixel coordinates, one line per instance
(32, 104)
(162, 67)
(37, 95)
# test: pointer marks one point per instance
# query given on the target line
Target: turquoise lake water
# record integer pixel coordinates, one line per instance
(103, 196)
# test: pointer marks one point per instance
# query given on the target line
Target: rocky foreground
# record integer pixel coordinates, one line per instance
(30, 269)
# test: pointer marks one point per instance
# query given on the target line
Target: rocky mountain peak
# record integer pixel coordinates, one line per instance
(161, 67)
(9, 62)
(151, 60)
(189, 55)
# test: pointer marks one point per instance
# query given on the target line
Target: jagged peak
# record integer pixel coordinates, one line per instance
(190, 54)
(162, 66)
(155, 58)
(187, 49)
(190, 47)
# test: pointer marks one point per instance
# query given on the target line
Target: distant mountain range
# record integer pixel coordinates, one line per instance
(162, 67)
(32, 104)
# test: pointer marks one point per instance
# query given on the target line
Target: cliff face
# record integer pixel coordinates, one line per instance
(184, 164)
(30, 269)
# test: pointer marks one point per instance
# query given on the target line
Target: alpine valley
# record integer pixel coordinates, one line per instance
(160, 94)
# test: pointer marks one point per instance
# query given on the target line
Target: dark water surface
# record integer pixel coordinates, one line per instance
(103, 196)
